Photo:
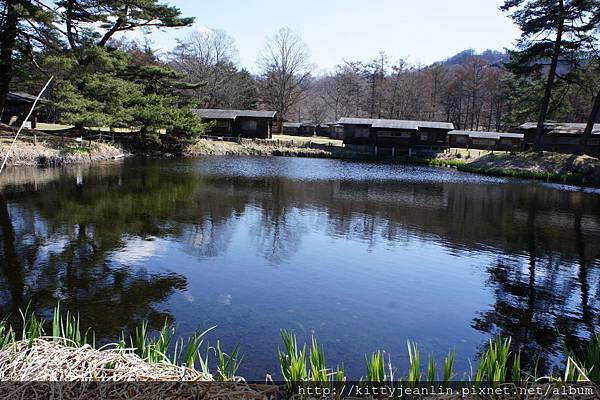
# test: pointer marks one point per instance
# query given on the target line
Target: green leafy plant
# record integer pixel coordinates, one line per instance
(414, 371)
(228, 363)
(316, 359)
(492, 368)
(431, 366)
(33, 327)
(448, 366)
(66, 329)
(376, 374)
(292, 360)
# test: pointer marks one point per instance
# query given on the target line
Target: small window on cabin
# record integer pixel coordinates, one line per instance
(483, 142)
(248, 125)
(362, 132)
(403, 135)
(425, 137)
(460, 139)
(222, 124)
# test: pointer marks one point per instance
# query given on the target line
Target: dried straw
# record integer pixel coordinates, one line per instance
(44, 369)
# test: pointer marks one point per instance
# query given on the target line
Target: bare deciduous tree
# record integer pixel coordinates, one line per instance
(285, 68)
(210, 57)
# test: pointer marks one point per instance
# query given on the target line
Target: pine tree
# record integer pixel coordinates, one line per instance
(552, 35)
(24, 26)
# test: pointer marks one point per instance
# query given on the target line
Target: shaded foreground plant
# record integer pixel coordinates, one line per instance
(296, 373)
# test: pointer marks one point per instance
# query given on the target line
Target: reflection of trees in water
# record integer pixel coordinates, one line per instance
(544, 305)
(281, 228)
(56, 244)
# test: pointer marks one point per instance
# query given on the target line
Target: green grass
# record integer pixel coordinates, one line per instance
(228, 363)
(464, 166)
(76, 150)
(441, 162)
(292, 360)
(521, 173)
(375, 365)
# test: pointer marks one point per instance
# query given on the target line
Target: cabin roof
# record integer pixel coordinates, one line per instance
(396, 123)
(487, 135)
(567, 128)
(20, 96)
(210, 113)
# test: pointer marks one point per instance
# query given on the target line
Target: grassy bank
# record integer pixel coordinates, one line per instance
(48, 152)
(288, 148)
(546, 166)
(62, 350)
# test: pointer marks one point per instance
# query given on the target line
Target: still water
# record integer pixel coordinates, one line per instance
(362, 255)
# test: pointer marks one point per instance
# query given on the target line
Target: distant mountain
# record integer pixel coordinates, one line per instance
(491, 56)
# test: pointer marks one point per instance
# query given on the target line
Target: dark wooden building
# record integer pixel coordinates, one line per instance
(299, 128)
(291, 128)
(239, 123)
(486, 140)
(17, 107)
(562, 137)
(399, 135)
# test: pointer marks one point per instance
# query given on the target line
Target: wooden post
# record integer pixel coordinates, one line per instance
(393, 152)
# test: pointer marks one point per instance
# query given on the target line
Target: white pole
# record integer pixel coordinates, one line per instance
(24, 122)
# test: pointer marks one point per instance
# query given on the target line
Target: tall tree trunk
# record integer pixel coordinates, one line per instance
(539, 132)
(8, 38)
(590, 124)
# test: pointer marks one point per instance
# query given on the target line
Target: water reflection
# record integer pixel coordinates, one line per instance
(255, 245)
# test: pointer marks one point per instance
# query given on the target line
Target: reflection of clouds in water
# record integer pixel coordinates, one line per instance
(137, 250)
(225, 299)
(54, 245)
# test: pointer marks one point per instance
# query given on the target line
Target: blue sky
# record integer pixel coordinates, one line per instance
(421, 31)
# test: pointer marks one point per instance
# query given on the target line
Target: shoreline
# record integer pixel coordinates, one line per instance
(546, 166)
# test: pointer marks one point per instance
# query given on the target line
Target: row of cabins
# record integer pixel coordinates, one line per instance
(427, 136)
(400, 135)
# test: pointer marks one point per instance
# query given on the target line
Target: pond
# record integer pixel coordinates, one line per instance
(364, 256)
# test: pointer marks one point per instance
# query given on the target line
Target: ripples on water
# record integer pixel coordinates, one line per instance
(363, 255)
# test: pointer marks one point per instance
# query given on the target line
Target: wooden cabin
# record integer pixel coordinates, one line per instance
(16, 108)
(291, 128)
(325, 129)
(336, 131)
(239, 123)
(299, 128)
(562, 137)
(399, 135)
(486, 140)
